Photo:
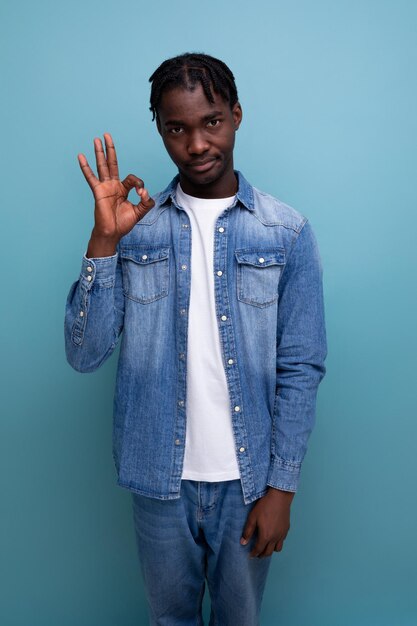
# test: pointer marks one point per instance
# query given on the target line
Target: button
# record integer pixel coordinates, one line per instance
(219, 273)
(81, 313)
(89, 278)
(185, 225)
(230, 361)
(183, 311)
(242, 449)
(182, 355)
(261, 259)
(221, 229)
(89, 268)
(224, 318)
(181, 402)
(144, 257)
(237, 409)
(177, 442)
(183, 267)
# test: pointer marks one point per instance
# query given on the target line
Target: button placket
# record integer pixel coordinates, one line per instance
(228, 344)
(183, 277)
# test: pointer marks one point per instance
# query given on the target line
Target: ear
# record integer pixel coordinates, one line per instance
(237, 115)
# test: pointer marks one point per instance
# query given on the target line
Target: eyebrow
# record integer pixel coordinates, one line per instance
(206, 118)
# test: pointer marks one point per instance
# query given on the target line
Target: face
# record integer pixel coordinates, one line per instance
(199, 137)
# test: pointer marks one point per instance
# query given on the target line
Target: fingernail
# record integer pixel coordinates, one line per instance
(243, 541)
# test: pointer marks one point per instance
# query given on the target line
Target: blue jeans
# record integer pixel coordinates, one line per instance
(184, 542)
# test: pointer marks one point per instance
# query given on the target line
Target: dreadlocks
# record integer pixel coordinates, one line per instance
(189, 69)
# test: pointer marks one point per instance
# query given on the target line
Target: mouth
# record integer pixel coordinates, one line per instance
(203, 165)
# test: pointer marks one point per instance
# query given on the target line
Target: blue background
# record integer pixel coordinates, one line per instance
(328, 90)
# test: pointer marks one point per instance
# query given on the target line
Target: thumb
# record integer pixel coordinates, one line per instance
(248, 530)
(146, 202)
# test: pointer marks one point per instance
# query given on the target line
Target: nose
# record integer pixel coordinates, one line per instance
(197, 143)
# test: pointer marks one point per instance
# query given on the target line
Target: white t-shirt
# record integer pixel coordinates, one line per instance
(209, 446)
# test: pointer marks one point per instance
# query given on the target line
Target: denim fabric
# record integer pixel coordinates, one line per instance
(183, 542)
(269, 304)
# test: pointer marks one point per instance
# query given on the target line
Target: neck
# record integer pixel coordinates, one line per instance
(225, 187)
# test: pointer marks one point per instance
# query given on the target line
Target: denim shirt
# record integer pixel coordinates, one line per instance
(269, 305)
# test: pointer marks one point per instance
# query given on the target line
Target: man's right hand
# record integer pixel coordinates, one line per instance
(114, 215)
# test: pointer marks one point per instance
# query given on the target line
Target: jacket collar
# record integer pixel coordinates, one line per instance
(244, 193)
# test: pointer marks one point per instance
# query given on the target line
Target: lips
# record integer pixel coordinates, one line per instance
(202, 166)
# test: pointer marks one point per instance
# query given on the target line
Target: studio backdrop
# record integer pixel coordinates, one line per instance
(329, 98)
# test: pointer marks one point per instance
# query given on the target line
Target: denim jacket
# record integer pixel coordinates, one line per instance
(269, 304)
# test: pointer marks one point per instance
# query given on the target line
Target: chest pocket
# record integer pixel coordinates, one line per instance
(145, 272)
(258, 274)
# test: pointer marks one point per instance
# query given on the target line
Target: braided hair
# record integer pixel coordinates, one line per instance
(186, 71)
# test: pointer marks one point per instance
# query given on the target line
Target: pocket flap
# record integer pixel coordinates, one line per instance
(143, 255)
(261, 257)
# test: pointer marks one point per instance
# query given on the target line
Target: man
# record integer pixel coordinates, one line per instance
(217, 288)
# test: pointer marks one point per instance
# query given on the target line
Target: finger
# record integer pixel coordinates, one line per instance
(89, 175)
(268, 550)
(132, 181)
(248, 531)
(144, 206)
(142, 193)
(103, 170)
(279, 546)
(146, 200)
(259, 546)
(111, 157)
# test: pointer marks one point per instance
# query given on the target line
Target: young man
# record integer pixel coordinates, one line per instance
(217, 289)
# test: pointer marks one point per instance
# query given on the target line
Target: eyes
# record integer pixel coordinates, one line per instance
(178, 130)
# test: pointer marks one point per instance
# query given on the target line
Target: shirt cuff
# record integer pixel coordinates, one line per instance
(101, 270)
(284, 475)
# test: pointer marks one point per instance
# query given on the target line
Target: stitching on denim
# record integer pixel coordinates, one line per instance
(164, 271)
(295, 229)
(287, 464)
(249, 300)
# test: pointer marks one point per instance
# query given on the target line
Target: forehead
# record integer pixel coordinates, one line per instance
(183, 104)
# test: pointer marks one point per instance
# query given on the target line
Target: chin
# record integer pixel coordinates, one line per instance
(203, 178)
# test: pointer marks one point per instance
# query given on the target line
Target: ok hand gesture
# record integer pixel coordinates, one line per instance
(114, 215)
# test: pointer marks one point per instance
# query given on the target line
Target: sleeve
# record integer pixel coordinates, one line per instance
(94, 313)
(301, 352)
